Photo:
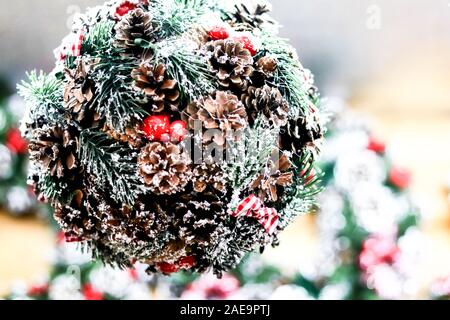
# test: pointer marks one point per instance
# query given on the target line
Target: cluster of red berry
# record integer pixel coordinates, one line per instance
(221, 33)
(184, 263)
(159, 128)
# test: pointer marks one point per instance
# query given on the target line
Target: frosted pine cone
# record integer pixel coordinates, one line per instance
(132, 135)
(267, 65)
(201, 219)
(268, 102)
(137, 24)
(250, 16)
(232, 63)
(205, 175)
(156, 85)
(56, 149)
(277, 176)
(296, 136)
(221, 117)
(165, 168)
(78, 90)
(265, 69)
(80, 216)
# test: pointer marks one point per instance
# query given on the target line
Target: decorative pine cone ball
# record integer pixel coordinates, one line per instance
(181, 134)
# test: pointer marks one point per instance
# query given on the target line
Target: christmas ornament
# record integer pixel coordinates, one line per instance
(174, 133)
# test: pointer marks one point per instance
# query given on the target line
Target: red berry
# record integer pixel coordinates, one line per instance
(187, 262)
(247, 43)
(124, 8)
(167, 268)
(15, 142)
(90, 293)
(177, 131)
(72, 238)
(218, 33)
(155, 127)
(400, 178)
(376, 145)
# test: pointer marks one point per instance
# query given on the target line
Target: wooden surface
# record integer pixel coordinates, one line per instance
(25, 245)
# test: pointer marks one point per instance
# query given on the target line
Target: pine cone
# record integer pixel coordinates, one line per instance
(267, 65)
(198, 35)
(132, 135)
(170, 253)
(266, 101)
(200, 220)
(232, 63)
(199, 224)
(78, 218)
(246, 17)
(265, 69)
(205, 175)
(155, 84)
(164, 167)
(137, 24)
(78, 90)
(298, 135)
(221, 117)
(56, 150)
(276, 176)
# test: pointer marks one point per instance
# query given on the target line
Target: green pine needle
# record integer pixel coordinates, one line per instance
(191, 72)
(115, 98)
(112, 164)
(174, 17)
(98, 39)
(40, 88)
(43, 93)
(250, 155)
(288, 76)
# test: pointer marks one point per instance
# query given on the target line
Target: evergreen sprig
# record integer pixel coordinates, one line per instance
(112, 164)
(55, 190)
(41, 89)
(250, 155)
(300, 196)
(174, 17)
(191, 72)
(116, 100)
(43, 94)
(98, 39)
(288, 76)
